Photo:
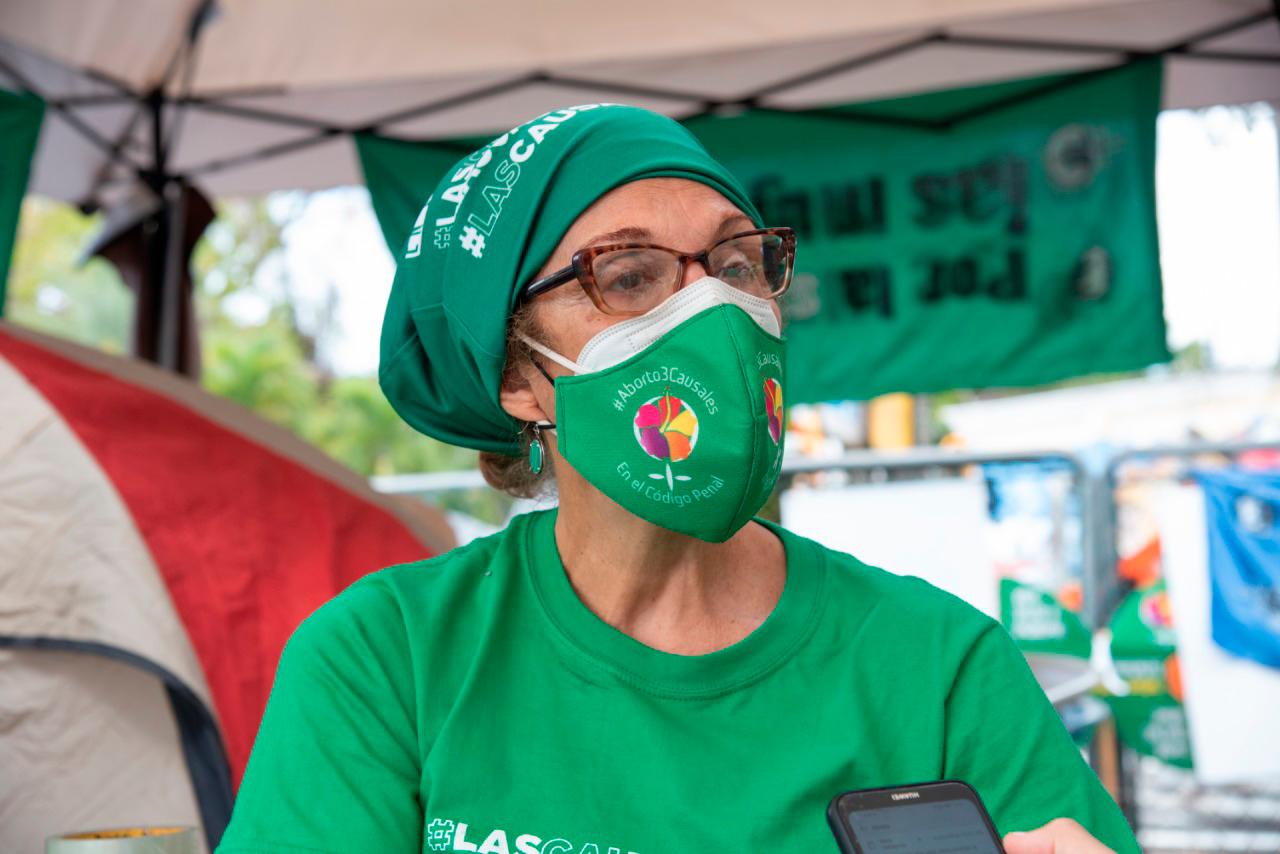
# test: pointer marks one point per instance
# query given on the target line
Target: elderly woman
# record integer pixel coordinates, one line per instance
(650, 667)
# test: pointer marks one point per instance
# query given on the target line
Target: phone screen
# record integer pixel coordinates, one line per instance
(936, 827)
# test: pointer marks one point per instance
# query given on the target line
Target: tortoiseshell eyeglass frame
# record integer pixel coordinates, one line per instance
(580, 268)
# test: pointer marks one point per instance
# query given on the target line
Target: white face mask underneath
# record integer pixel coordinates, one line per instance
(623, 340)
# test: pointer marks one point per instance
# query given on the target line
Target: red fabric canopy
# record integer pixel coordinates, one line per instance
(248, 539)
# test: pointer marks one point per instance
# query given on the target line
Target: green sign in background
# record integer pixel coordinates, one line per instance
(991, 236)
(20, 117)
(1151, 718)
(1014, 247)
(401, 175)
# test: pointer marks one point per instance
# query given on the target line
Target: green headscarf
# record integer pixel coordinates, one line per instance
(488, 226)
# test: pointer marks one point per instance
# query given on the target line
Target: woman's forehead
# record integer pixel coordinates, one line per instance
(673, 211)
(658, 199)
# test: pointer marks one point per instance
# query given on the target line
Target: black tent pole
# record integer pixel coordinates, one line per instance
(156, 331)
(173, 208)
(162, 327)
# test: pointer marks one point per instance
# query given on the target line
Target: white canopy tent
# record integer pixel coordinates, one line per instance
(240, 97)
(147, 98)
(247, 97)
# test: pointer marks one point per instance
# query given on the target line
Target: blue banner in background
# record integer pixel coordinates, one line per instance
(1243, 526)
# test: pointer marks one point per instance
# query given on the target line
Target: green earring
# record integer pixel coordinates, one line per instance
(537, 453)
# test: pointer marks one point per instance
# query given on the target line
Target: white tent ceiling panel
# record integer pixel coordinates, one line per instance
(207, 137)
(55, 80)
(377, 40)
(499, 112)
(1200, 83)
(937, 66)
(352, 106)
(66, 163)
(266, 77)
(1263, 37)
(733, 74)
(128, 40)
(1146, 25)
(331, 163)
(111, 121)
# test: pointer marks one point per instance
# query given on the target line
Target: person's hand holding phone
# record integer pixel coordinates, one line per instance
(942, 816)
(1060, 836)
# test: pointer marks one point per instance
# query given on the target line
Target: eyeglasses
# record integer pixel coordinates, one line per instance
(628, 279)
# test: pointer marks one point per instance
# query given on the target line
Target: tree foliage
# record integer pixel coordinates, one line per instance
(255, 347)
(273, 363)
(50, 291)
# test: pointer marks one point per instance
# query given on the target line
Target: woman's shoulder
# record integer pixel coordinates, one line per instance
(908, 602)
(461, 562)
(414, 593)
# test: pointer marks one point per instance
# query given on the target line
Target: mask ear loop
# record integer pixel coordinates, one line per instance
(543, 371)
(550, 354)
(555, 357)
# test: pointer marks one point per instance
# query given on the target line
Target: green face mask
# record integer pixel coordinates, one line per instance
(687, 432)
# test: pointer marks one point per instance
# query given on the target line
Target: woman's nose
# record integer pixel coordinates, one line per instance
(693, 271)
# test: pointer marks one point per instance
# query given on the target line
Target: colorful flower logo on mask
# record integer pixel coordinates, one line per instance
(773, 407)
(667, 430)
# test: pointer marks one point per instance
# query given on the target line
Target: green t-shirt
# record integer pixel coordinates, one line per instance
(472, 702)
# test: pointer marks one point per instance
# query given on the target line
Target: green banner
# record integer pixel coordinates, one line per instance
(401, 175)
(20, 117)
(1001, 235)
(1150, 718)
(1038, 623)
(1013, 247)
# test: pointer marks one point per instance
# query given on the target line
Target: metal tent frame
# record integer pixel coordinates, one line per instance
(171, 98)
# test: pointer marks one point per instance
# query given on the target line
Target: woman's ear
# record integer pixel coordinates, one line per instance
(517, 396)
(526, 394)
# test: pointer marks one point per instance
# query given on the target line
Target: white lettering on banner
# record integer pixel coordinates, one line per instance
(1033, 618)
(443, 834)
(472, 236)
(539, 132)
(455, 194)
(414, 248)
(518, 152)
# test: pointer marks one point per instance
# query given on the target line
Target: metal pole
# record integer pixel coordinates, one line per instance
(159, 299)
(926, 458)
(170, 318)
(922, 412)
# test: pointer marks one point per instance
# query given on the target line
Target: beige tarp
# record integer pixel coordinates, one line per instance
(85, 741)
(91, 640)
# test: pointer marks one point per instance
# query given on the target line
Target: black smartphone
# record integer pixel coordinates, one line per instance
(945, 817)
